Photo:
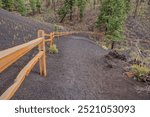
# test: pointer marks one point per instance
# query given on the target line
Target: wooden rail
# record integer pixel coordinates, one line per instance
(10, 56)
(60, 34)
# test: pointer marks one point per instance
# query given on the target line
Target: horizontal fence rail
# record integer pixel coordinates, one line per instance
(11, 55)
(20, 78)
(60, 34)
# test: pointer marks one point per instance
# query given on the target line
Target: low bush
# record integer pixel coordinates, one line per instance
(140, 71)
(53, 49)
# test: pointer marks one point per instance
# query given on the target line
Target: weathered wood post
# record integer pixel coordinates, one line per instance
(42, 61)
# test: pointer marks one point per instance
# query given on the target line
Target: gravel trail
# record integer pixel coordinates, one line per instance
(78, 72)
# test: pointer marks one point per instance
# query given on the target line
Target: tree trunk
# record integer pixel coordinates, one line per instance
(149, 2)
(94, 4)
(63, 18)
(71, 16)
(71, 13)
(47, 3)
(112, 45)
(54, 6)
(136, 8)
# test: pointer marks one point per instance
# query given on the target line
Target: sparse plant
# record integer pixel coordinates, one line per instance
(140, 71)
(55, 28)
(53, 49)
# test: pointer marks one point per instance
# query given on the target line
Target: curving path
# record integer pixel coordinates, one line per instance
(77, 72)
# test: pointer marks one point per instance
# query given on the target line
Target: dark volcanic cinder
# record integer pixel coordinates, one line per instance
(78, 71)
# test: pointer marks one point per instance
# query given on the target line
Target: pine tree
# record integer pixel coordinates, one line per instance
(67, 8)
(81, 5)
(21, 7)
(1, 4)
(38, 5)
(113, 14)
(8, 4)
(71, 5)
(33, 6)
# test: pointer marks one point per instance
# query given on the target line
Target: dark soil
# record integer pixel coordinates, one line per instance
(15, 29)
(78, 71)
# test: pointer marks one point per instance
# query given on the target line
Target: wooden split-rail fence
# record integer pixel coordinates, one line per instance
(11, 55)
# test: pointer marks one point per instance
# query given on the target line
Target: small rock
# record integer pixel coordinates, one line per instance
(130, 74)
(117, 55)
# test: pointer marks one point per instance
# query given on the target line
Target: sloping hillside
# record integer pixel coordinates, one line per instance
(137, 28)
(15, 29)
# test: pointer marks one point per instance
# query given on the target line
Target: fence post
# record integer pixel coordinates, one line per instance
(51, 39)
(42, 61)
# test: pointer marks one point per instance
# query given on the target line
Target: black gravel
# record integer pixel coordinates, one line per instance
(78, 71)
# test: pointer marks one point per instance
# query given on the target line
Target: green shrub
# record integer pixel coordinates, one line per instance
(38, 5)
(33, 6)
(21, 7)
(1, 4)
(8, 4)
(81, 5)
(140, 71)
(53, 49)
(56, 28)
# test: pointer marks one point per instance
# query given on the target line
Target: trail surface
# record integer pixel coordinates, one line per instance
(78, 72)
